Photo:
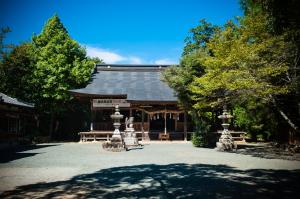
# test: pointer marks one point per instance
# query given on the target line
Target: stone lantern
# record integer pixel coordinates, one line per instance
(116, 143)
(116, 117)
(226, 142)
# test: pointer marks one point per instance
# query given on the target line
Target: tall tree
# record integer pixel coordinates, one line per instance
(199, 36)
(4, 47)
(61, 64)
(179, 77)
(16, 72)
(248, 62)
(243, 64)
(283, 19)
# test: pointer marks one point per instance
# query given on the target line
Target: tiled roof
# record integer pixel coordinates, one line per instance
(9, 100)
(137, 82)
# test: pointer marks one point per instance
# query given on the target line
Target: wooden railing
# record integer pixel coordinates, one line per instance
(108, 126)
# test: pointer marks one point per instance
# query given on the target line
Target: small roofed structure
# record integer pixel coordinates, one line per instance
(16, 118)
(140, 93)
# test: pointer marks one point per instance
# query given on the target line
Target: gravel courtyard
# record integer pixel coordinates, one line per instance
(171, 170)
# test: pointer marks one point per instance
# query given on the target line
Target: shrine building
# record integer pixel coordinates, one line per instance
(17, 119)
(140, 93)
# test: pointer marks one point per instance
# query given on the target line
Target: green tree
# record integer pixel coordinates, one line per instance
(199, 36)
(60, 64)
(178, 77)
(200, 136)
(283, 19)
(257, 119)
(241, 63)
(4, 47)
(16, 72)
(247, 63)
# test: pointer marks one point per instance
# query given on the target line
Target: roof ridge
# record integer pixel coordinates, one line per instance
(134, 65)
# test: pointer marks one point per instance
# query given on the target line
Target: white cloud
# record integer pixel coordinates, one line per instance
(106, 55)
(164, 61)
(111, 57)
(135, 60)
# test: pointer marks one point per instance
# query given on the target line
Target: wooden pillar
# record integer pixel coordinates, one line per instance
(165, 122)
(18, 125)
(175, 117)
(148, 121)
(185, 126)
(92, 117)
(8, 127)
(142, 127)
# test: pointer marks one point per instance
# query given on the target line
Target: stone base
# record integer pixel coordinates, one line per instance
(228, 146)
(115, 145)
(130, 138)
(226, 142)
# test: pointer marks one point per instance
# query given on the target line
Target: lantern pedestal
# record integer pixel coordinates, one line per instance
(226, 142)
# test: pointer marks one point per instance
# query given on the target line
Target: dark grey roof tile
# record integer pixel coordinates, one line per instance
(10, 100)
(137, 85)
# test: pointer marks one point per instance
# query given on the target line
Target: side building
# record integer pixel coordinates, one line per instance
(16, 119)
(140, 93)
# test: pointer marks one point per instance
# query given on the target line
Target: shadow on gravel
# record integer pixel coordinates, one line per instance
(168, 181)
(17, 152)
(267, 151)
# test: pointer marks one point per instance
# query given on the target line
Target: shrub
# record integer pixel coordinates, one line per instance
(200, 136)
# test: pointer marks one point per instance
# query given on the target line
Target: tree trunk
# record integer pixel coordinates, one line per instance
(287, 119)
(37, 119)
(51, 125)
(56, 128)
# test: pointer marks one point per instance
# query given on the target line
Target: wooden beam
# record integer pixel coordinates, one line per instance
(185, 126)
(161, 111)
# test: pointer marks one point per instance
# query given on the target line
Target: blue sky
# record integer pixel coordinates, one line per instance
(119, 31)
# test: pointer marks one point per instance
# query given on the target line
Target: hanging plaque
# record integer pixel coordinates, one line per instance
(110, 103)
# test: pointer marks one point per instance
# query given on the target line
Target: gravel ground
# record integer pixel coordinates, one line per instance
(170, 170)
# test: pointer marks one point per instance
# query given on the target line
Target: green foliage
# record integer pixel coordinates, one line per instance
(243, 64)
(43, 71)
(246, 62)
(4, 47)
(179, 77)
(281, 15)
(16, 72)
(200, 136)
(256, 119)
(61, 64)
(283, 20)
(199, 36)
